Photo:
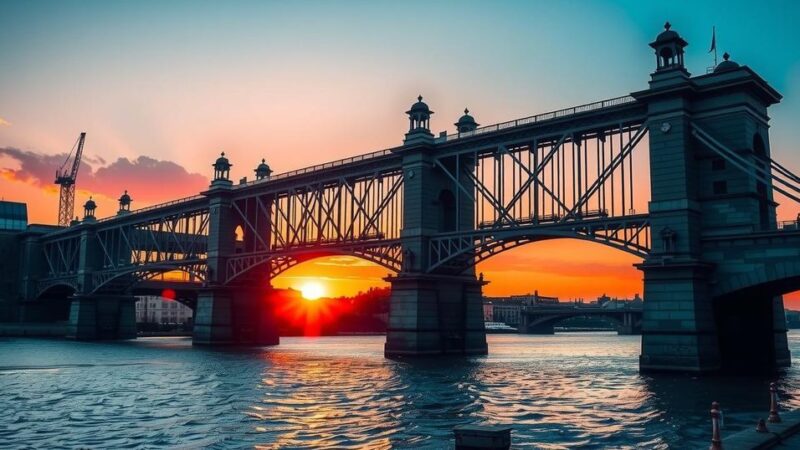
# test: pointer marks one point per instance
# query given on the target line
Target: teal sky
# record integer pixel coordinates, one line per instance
(162, 87)
(306, 82)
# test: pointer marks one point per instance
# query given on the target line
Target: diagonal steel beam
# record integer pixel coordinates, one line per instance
(607, 171)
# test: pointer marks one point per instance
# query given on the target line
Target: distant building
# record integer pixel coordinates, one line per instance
(160, 310)
(534, 299)
(507, 312)
(13, 216)
(508, 309)
(13, 220)
(607, 302)
(488, 315)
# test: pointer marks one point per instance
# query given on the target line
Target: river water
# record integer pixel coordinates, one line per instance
(569, 390)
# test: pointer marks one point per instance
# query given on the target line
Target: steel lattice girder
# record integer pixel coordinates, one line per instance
(464, 249)
(356, 208)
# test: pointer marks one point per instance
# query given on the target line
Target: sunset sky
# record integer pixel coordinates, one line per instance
(162, 87)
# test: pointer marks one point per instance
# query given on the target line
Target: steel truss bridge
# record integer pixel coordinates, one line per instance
(679, 174)
(572, 173)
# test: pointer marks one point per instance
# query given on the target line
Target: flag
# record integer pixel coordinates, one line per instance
(713, 39)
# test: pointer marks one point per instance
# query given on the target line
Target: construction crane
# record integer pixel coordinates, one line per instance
(66, 179)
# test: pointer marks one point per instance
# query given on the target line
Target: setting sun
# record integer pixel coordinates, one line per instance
(312, 290)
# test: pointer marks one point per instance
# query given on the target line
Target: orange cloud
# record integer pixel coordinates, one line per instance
(147, 179)
(4, 123)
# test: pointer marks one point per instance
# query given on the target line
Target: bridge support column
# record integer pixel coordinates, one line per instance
(530, 326)
(235, 316)
(629, 325)
(780, 341)
(94, 317)
(678, 328)
(435, 314)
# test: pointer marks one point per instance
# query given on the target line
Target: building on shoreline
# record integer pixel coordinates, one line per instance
(153, 309)
(13, 220)
(607, 302)
(508, 309)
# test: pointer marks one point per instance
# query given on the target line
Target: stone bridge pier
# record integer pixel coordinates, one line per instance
(97, 314)
(237, 313)
(441, 312)
(630, 325)
(704, 131)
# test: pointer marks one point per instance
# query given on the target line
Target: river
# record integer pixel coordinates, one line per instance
(569, 390)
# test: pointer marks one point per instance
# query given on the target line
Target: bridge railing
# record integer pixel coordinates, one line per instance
(789, 225)
(544, 116)
(316, 167)
(157, 206)
(304, 170)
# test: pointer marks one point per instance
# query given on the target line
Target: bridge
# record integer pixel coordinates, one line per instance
(542, 319)
(678, 174)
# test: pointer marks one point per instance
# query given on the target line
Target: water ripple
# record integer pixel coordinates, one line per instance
(558, 392)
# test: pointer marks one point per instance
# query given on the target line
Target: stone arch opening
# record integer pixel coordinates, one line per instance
(447, 211)
(56, 291)
(51, 305)
(760, 151)
(748, 327)
(752, 302)
(238, 233)
(759, 148)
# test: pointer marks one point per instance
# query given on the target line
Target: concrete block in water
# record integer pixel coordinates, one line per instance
(482, 437)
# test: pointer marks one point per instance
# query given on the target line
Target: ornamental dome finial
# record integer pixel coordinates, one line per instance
(726, 64)
(222, 168)
(263, 171)
(466, 123)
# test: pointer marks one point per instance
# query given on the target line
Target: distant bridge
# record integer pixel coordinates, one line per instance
(702, 218)
(541, 319)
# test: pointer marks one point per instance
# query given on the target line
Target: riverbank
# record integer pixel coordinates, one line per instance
(783, 435)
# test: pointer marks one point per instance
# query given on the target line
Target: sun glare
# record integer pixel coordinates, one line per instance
(312, 290)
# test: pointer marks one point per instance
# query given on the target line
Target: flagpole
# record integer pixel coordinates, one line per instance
(714, 32)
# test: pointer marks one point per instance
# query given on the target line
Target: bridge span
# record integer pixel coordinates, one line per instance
(678, 174)
(542, 319)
